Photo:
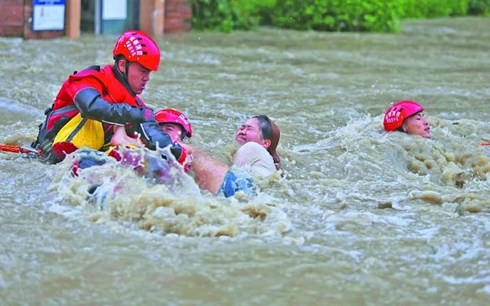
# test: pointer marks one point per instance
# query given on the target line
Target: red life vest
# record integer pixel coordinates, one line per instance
(103, 80)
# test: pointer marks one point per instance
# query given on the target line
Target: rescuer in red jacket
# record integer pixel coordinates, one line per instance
(92, 101)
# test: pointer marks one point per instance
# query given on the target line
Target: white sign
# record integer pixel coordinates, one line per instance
(114, 10)
(48, 15)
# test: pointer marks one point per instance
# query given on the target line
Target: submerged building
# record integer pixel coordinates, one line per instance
(39, 19)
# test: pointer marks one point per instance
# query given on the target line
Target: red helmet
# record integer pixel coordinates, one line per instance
(139, 47)
(171, 115)
(398, 112)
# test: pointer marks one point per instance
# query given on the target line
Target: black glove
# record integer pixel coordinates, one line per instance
(93, 106)
(157, 138)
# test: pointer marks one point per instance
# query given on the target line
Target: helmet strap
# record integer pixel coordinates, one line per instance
(122, 77)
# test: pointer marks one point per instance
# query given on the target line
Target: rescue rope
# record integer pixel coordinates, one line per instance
(23, 151)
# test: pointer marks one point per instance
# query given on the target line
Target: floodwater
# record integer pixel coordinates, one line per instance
(359, 217)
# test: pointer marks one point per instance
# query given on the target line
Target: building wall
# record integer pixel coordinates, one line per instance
(16, 18)
(178, 15)
(165, 16)
(11, 17)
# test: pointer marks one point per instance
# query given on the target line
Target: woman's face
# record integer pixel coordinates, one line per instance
(417, 125)
(250, 131)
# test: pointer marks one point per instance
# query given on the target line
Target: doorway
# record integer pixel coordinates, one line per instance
(109, 16)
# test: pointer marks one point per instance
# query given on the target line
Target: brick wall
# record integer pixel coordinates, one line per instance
(12, 18)
(178, 14)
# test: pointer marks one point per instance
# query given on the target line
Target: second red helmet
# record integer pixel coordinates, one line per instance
(137, 46)
(171, 115)
(398, 112)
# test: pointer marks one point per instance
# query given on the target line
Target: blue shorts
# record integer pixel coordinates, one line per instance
(235, 182)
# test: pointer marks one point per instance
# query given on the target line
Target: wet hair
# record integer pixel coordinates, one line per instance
(270, 131)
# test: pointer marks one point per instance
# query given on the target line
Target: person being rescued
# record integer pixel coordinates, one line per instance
(258, 138)
(127, 150)
(170, 120)
(91, 102)
(406, 116)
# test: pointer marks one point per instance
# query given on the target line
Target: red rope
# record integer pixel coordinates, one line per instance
(18, 149)
(10, 148)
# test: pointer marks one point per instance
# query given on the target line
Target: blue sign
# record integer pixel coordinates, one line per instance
(49, 2)
(48, 15)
